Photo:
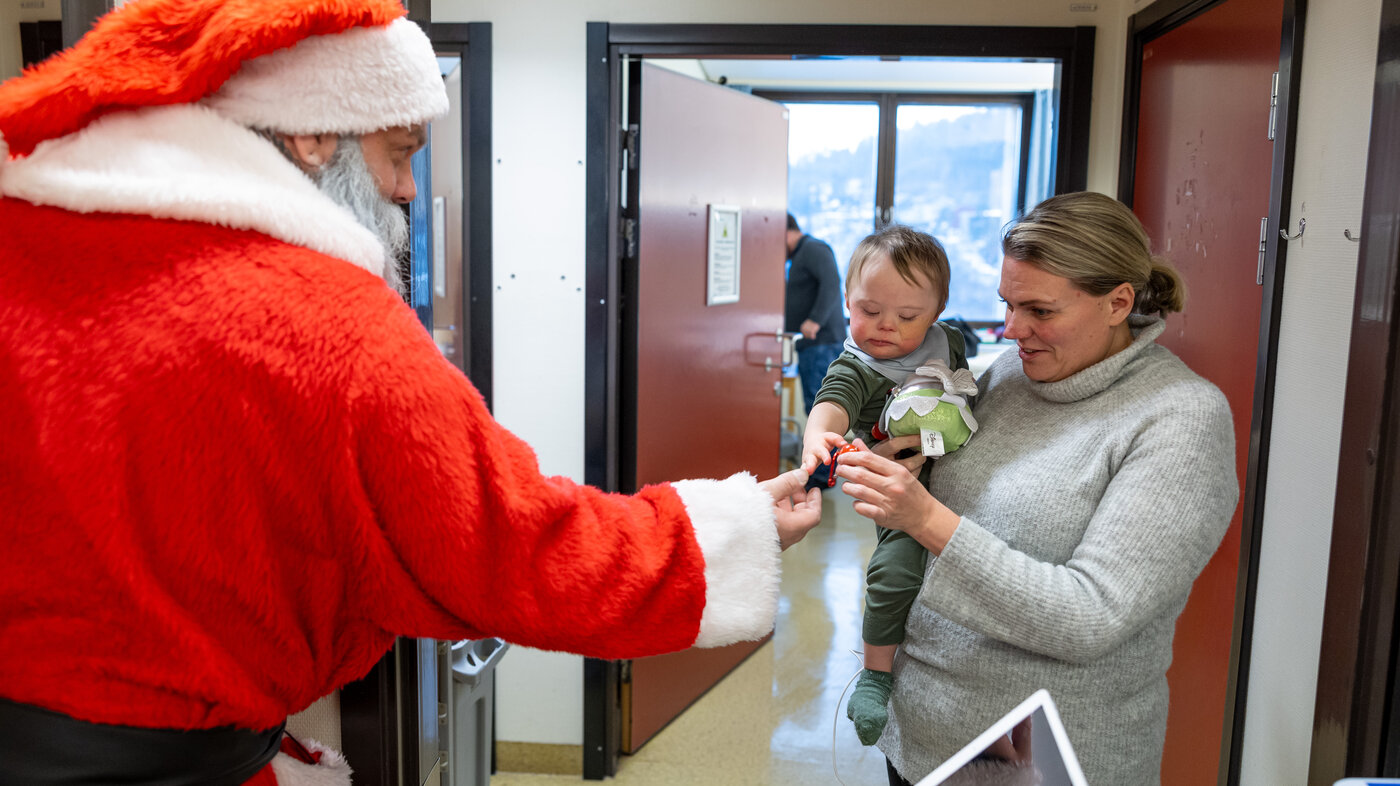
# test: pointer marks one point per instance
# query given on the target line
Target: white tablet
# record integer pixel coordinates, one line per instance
(1027, 746)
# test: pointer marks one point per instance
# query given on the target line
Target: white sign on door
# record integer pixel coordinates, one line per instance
(723, 257)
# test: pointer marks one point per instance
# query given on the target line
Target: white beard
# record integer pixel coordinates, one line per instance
(346, 179)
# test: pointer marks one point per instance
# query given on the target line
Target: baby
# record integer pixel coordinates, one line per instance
(896, 287)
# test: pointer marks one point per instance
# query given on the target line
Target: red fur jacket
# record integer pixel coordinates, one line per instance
(233, 465)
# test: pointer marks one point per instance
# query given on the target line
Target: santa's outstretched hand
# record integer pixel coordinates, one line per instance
(795, 510)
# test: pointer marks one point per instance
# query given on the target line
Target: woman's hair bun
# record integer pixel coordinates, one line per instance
(1165, 291)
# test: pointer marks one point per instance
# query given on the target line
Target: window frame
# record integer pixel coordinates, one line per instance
(888, 103)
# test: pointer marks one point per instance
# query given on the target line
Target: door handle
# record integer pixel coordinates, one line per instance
(756, 346)
(789, 342)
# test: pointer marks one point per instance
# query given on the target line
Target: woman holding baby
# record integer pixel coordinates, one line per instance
(1066, 536)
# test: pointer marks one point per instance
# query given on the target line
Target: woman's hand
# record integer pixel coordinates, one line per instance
(816, 449)
(892, 447)
(796, 511)
(1013, 747)
(888, 494)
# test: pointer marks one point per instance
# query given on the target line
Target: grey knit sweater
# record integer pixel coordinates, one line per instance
(1088, 507)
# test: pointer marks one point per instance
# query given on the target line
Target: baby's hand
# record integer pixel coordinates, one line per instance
(816, 449)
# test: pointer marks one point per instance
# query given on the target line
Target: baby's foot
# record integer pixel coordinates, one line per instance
(868, 707)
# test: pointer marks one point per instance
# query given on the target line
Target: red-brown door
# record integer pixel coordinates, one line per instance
(1201, 186)
(706, 403)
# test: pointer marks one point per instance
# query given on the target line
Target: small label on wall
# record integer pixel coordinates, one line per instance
(1083, 8)
(31, 3)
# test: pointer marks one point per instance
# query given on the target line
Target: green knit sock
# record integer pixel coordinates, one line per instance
(868, 707)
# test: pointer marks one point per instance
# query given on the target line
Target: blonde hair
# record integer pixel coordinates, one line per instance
(1097, 243)
(914, 254)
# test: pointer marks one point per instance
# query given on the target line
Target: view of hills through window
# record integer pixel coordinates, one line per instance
(957, 169)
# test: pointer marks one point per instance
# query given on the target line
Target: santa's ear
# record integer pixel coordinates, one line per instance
(310, 151)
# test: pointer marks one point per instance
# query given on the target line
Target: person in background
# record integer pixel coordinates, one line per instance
(234, 467)
(1066, 541)
(812, 307)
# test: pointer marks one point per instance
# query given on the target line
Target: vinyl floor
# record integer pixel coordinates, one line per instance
(771, 720)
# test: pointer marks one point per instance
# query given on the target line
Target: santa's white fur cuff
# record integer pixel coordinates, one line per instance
(737, 532)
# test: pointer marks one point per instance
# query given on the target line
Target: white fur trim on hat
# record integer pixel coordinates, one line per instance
(357, 82)
(735, 527)
(189, 163)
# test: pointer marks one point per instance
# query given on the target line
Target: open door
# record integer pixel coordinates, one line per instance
(702, 279)
(1201, 180)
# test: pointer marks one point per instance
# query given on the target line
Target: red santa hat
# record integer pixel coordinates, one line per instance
(295, 66)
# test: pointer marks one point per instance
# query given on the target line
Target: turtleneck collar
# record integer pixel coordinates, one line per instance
(1085, 383)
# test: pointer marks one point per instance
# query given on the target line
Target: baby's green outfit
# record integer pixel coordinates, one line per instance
(896, 569)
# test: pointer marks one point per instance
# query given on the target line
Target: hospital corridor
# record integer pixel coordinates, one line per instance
(416, 392)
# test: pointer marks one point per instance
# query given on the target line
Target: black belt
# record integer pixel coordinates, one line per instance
(43, 748)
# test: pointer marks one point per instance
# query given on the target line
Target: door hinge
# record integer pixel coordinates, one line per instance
(1263, 246)
(629, 145)
(629, 238)
(1273, 109)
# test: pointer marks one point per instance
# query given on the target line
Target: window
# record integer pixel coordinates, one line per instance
(958, 166)
(959, 175)
(832, 172)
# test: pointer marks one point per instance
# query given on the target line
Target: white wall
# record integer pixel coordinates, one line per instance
(12, 12)
(539, 50)
(1339, 65)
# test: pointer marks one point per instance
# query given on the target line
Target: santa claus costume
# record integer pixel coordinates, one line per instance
(233, 465)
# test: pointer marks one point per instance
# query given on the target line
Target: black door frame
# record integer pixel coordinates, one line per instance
(1356, 720)
(471, 41)
(605, 415)
(1150, 23)
(38, 40)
